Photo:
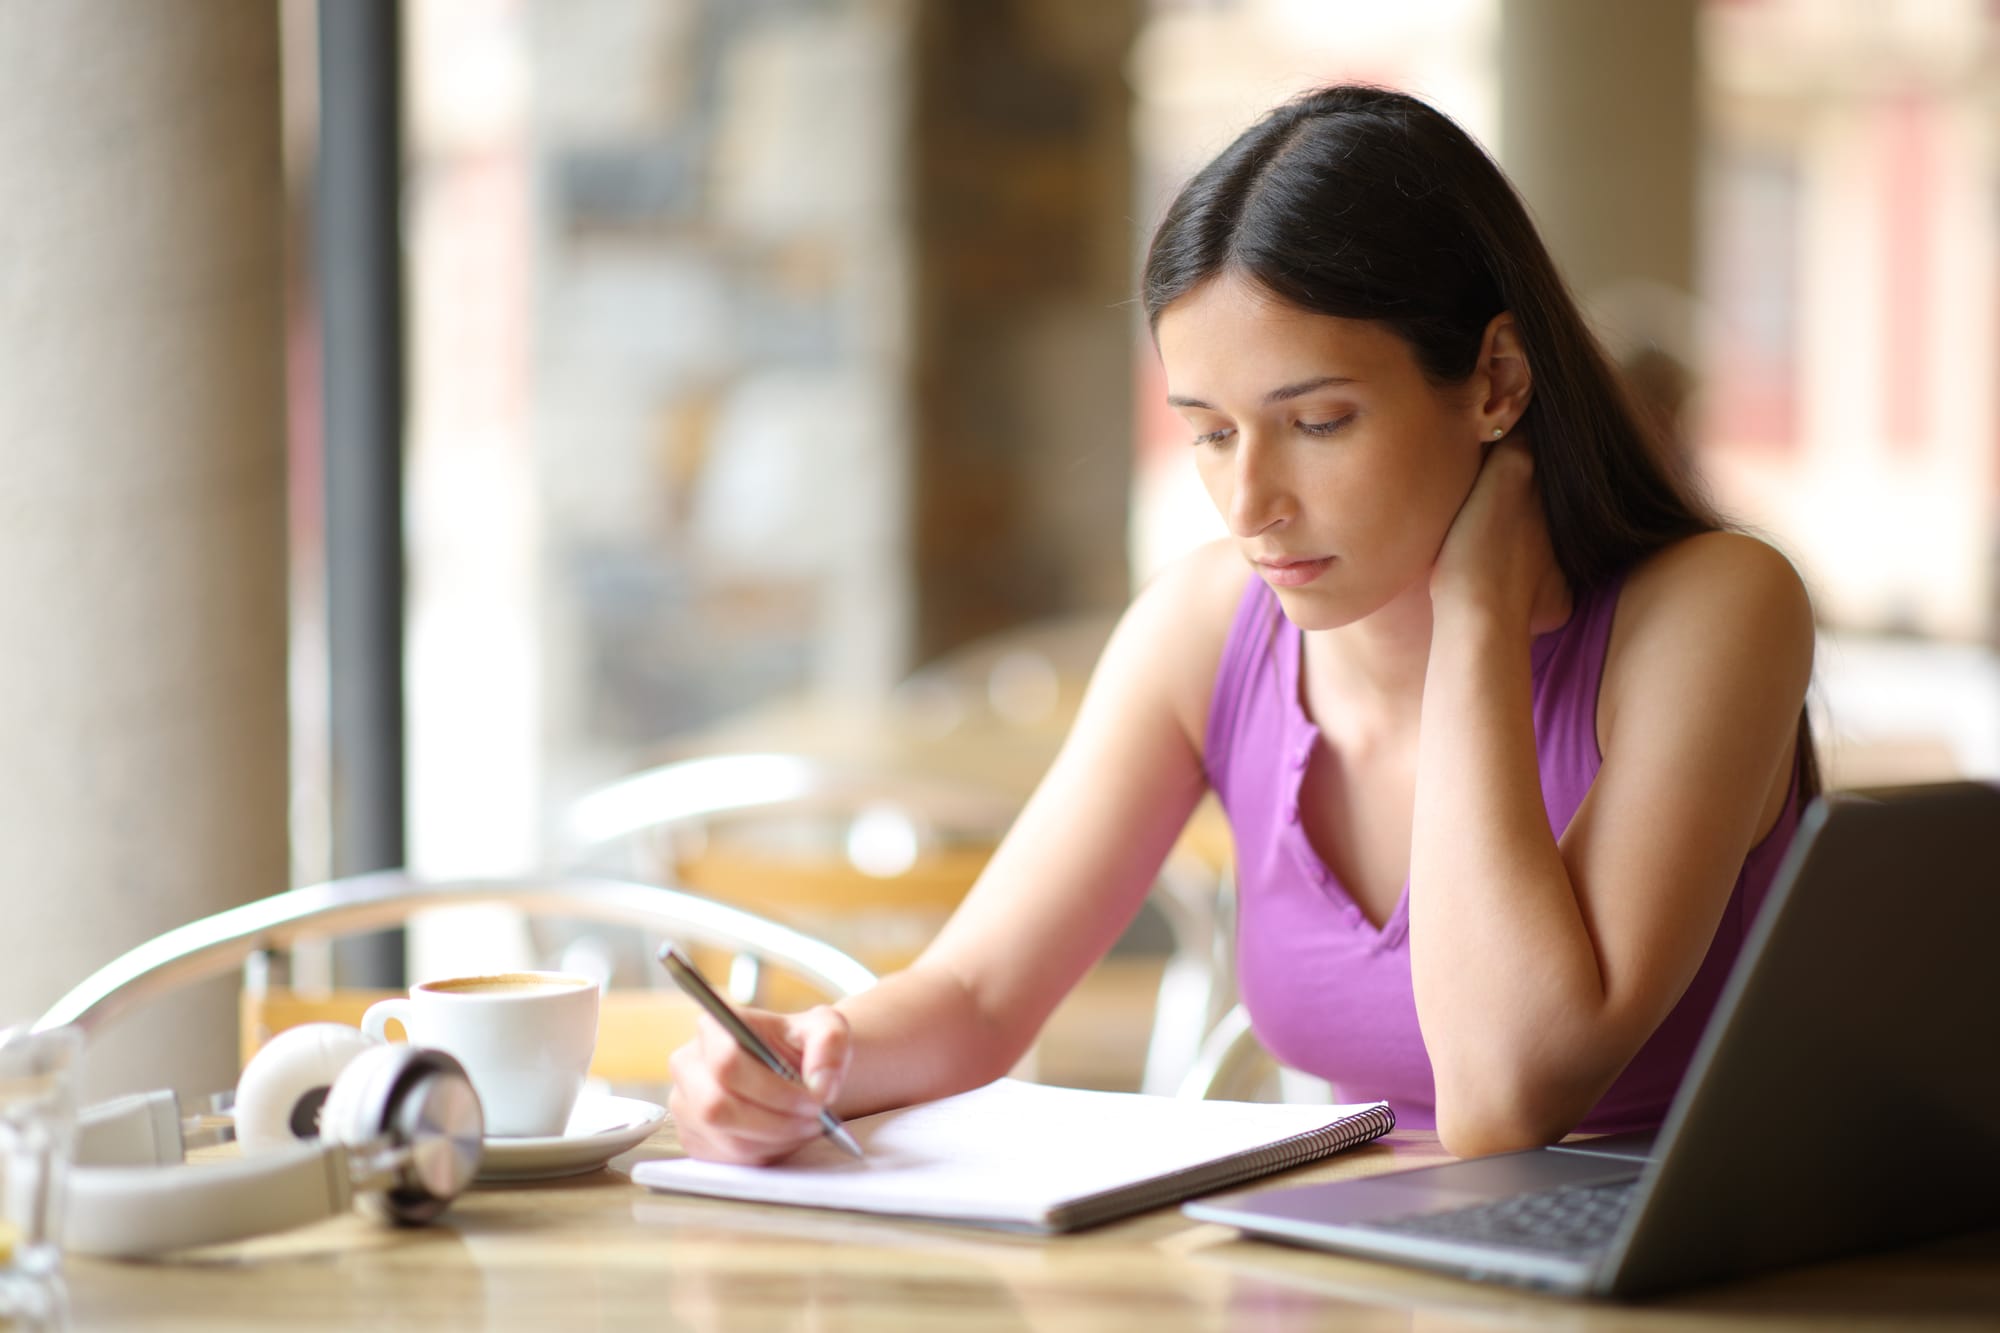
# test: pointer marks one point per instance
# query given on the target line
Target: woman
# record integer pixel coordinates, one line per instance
(1509, 732)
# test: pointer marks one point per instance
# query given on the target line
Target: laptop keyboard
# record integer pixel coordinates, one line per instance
(1574, 1220)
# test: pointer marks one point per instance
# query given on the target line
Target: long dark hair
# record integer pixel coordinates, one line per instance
(1365, 203)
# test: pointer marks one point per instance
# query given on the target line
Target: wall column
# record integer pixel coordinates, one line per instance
(142, 503)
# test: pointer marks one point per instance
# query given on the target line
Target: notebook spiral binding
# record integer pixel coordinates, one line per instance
(1224, 1172)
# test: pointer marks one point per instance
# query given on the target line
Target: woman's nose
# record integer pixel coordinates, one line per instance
(1258, 496)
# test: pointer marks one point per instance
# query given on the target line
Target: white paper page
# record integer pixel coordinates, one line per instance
(1007, 1152)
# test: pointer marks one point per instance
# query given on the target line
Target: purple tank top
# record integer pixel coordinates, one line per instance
(1326, 991)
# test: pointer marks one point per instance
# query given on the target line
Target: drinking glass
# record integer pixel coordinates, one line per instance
(38, 1082)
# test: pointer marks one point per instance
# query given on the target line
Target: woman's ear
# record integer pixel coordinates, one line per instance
(1503, 378)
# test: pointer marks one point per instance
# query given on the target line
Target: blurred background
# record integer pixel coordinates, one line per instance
(424, 417)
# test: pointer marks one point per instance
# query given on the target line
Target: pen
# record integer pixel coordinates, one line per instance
(688, 979)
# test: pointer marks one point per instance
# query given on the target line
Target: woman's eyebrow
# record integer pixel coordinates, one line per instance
(1279, 395)
(1304, 387)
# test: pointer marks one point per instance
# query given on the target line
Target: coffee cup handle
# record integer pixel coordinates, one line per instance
(384, 1012)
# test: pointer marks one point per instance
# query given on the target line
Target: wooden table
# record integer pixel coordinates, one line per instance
(597, 1252)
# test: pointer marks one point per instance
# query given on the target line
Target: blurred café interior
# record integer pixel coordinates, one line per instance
(706, 442)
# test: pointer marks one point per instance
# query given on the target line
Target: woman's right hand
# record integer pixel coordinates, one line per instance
(728, 1107)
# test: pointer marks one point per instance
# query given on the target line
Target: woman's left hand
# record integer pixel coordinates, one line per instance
(1497, 555)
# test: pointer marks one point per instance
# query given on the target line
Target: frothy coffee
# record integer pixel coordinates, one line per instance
(503, 983)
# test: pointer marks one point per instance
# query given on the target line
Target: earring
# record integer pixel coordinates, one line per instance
(1498, 431)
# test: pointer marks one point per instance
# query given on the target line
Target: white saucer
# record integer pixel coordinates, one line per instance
(599, 1129)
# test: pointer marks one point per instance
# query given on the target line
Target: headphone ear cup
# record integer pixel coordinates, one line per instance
(419, 1103)
(357, 1105)
(280, 1096)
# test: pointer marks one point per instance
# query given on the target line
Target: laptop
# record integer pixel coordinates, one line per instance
(1845, 1096)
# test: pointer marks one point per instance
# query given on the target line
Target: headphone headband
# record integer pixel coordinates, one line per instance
(138, 1210)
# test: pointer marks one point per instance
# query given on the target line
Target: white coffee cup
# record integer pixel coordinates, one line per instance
(525, 1038)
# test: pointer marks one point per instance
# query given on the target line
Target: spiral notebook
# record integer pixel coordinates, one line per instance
(1028, 1157)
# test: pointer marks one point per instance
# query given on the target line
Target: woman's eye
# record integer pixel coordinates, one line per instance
(1214, 436)
(1325, 427)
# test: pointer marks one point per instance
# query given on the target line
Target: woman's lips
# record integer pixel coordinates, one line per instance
(1293, 573)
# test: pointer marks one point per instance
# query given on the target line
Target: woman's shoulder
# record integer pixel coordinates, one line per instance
(1723, 573)
(1193, 599)
(1723, 600)
(1204, 583)
(1179, 623)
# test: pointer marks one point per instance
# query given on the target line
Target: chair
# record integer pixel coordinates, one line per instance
(637, 1030)
(874, 855)
(867, 854)
(867, 827)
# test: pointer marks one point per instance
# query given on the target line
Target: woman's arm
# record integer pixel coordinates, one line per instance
(1064, 882)
(1540, 967)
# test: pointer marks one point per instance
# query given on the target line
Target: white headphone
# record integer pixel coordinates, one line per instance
(325, 1113)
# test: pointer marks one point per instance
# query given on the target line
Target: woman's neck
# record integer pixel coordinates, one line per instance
(1372, 668)
(1376, 665)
